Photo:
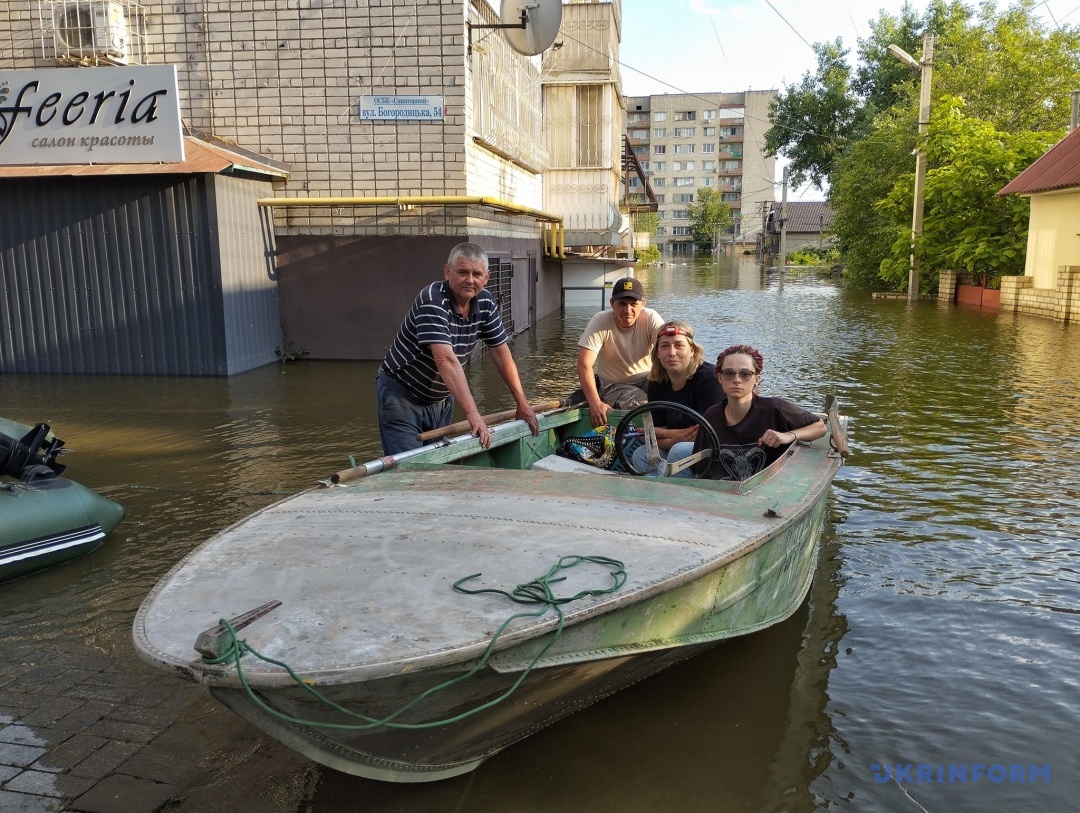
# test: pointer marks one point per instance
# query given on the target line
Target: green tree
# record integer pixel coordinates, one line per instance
(867, 172)
(969, 227)
(813, 121)
(1011, 72)
(709, 216)
(646, 222)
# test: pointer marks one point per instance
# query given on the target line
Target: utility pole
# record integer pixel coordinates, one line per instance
(783, 225)
(926, 68)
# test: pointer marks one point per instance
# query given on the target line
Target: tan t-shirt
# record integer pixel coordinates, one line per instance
(622, 356)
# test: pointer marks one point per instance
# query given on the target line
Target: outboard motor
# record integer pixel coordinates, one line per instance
(38, 447)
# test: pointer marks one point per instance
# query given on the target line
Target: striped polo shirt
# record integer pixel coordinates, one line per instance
(434, 319)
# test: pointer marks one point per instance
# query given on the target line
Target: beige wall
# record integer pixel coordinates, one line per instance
(1053, 241)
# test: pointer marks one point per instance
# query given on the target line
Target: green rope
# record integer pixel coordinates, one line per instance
(537, 591)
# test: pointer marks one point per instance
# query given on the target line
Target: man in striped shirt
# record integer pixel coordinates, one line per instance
(422, 376)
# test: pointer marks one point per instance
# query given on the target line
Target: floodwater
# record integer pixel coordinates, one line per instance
(941, 630)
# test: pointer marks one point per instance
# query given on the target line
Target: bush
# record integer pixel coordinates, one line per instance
(812, 255)
(648, 255)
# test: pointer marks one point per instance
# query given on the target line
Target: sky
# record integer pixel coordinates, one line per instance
(697, 46)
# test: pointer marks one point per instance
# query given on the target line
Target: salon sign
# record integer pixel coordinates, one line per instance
(90, 116)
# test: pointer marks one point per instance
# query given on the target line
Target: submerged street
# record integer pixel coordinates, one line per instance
(940, 630)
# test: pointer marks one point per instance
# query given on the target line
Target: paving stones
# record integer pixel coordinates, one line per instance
(125, 794)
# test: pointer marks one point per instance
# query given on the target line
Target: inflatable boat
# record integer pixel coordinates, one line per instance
(45, 519)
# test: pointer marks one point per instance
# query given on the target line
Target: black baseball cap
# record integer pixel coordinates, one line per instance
(627, 287)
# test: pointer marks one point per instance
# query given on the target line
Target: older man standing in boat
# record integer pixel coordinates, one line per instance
(614, 356)
(422, 376)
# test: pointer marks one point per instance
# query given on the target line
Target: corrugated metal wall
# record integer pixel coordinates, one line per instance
(249, 294)
(121, 275)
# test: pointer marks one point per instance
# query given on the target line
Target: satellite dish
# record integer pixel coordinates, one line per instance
(541, 19)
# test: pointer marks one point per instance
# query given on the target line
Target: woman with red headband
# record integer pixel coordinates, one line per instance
(680, 374)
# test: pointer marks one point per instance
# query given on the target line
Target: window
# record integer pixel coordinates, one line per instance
(659, 116)
(680, 231)
(708, 148)
(708, 166)
(728, 132)
(684, 181)
(688, 115)
(641, 150)
(684, 148)
(634, 118)
(590, 127)
(683, 197)
(660, 198)
(659, 132)
(710, 131)
(680, 214)
(642, 134)
(708, 181)
(659, 166)
(661, 214)
(635, 182)
(685, 132)
(645, 166)
(730, 113)
(729, 166)
(659, 149)
(690, 166)
(728, 197)
(657, 182)
(709, 115)
(660, 232)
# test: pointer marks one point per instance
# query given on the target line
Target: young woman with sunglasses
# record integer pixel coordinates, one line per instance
(679, 373)
(754, 430)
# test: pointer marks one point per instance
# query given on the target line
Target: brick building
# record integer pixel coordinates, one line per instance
(364, 204)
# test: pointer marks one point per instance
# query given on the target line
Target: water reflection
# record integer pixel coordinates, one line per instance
(941, 627)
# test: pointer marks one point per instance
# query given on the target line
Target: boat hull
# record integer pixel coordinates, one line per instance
(368, 616)
(48, 521)
(586, 663)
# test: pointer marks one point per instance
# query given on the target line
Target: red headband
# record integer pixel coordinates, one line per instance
(675, 330)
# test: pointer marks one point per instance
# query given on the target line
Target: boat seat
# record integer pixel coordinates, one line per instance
(554, 462)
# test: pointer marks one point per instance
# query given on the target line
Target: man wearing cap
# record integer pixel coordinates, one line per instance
(614, 356)
(422, 375)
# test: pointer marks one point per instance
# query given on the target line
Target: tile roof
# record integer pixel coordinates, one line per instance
(811, 216)
(1057, 168)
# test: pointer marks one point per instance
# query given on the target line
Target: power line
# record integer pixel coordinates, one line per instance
(789, 25)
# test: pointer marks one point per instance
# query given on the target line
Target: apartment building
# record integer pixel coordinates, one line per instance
(686, 141)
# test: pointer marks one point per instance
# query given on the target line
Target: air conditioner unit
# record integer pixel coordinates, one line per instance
(90, 29)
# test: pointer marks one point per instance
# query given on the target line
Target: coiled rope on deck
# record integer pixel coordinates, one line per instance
(538, 591)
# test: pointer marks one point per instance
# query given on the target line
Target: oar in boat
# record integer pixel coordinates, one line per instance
(494, 417)
(389, 461)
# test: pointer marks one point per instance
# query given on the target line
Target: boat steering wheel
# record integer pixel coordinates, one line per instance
(711, 439)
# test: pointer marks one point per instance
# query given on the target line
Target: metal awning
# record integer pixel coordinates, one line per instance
(201, 157)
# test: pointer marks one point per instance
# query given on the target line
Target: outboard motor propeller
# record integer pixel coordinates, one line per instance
(38, 447)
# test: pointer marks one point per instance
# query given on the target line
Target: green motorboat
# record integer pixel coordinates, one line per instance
(389, 592)
(45, 519)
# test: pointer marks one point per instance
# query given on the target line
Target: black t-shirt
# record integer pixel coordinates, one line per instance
(740, 455)
(700, 392)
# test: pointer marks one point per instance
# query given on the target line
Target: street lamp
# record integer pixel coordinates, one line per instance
(925, 67)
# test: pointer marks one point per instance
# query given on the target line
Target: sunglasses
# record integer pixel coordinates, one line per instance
(731, 375)
(675, 330)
